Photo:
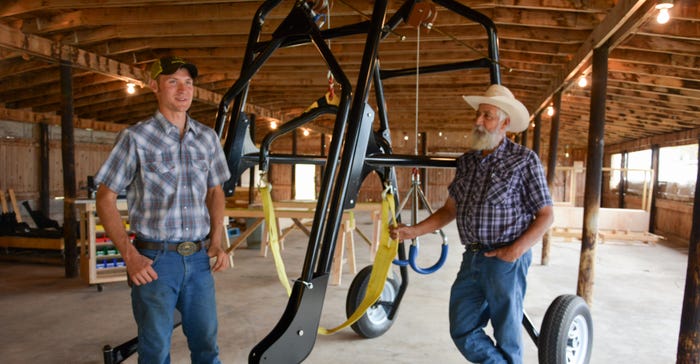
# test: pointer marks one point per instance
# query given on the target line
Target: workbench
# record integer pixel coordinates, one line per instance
(297, 211)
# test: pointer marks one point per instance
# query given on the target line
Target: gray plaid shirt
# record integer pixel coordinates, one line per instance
(498, 195)
(166, 178)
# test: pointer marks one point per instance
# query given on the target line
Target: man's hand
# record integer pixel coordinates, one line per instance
(509, 253)
(139, 269)
(401, 232)
(222, 261)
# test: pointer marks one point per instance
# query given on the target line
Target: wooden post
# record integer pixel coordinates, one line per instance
(622, 186)
(689, 336)
(293, 193)
(655, 187)
(44, 194)
(523, 138)
(594, 171)
(68, 155)
(537, 133)
(552, 168)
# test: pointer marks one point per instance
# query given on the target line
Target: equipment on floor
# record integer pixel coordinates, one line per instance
(355, 151)
(11, 222)
(121, 352)
(41, 220)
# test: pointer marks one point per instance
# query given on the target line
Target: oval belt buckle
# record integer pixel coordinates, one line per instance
(187, 248)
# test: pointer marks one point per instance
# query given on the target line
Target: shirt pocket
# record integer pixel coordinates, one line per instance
(160, 177)
(499, 189)
(199, 166)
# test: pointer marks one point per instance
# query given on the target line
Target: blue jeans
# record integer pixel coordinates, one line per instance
(185, 283)
(489, 288)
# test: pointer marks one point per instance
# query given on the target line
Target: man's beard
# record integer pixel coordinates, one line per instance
(482, 139)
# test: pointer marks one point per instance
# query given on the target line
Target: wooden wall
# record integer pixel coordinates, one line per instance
(19, 161)
(20, 168)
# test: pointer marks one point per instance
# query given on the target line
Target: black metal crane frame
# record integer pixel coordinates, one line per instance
(363, 149)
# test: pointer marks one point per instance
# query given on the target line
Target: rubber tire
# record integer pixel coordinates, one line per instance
(568, 315)
(375, 321)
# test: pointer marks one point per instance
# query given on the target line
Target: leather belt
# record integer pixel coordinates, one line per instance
(477, 247)
(185, 248)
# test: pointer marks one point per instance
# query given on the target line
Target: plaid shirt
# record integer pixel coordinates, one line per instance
(498, 195)
(166, 178)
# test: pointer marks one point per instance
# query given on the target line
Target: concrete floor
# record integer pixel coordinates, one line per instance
(636, 310)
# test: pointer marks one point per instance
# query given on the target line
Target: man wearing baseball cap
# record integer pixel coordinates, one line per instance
(502, 205)
(172, 168)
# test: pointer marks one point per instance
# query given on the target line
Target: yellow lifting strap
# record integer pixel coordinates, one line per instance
(386, 253)
(269, 212)
(330, 98)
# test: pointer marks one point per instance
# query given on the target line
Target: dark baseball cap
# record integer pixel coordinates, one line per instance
(170, 65)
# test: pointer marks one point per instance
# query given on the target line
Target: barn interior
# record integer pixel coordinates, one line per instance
(611, 90)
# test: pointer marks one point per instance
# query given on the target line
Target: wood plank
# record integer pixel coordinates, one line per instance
(22, 242)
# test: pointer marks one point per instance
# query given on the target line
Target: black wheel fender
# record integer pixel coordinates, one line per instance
(566, 335)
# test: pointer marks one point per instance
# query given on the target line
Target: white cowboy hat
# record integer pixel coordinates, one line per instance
(502, 98)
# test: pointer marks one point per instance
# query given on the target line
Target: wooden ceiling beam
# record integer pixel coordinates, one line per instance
(624, 12)
(27, 116)
(81, 59)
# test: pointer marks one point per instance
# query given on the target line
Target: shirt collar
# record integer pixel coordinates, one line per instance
(501, 148)
(168, 127)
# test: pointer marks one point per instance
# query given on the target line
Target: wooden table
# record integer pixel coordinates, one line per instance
(297, 211)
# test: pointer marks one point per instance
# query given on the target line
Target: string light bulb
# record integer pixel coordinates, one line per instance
(663, 7)
(550, 110)
(130, 88)
(273, 125)
(582, 81)
(306, 132)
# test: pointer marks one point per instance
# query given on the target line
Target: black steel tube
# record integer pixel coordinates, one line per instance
(341, 121)
(445, 67)
(253, 36)
(296, 40)
(288, 127)
(531, 330)
(350, 151)
(490, 28)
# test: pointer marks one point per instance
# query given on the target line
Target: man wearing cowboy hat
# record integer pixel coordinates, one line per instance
(502, 205)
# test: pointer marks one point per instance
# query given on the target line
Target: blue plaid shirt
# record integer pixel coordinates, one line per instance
(166, 178)
(498, 195)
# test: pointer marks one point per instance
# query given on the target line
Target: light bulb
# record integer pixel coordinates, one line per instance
(130, 88)
(663, 16)
(582, 82)
(550, 110)
(306, 132)
(273, 125)
(663, 6)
